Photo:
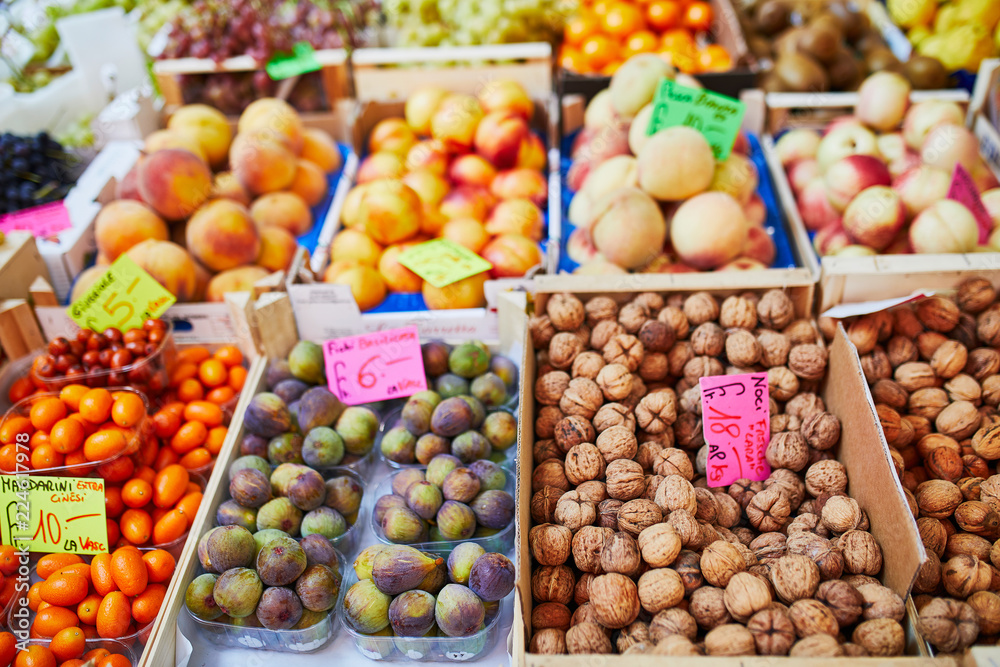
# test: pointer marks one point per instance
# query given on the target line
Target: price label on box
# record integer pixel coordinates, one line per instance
(42, 221)
(716, 116)
(964, 191)
(736, 422)
(54, 514)
(376, 366)
(122, 298)
(302, 60)
(441, 262)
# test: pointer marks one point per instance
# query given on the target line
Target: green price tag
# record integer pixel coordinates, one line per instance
(302, 60)
(442, 262)
(54, 514)
(716, 116)
(123, 298)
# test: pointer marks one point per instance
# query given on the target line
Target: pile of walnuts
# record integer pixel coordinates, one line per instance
(633, 552)
(934, 372)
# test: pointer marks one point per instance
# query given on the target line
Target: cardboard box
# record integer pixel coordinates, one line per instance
(20, 265)
(862, 450)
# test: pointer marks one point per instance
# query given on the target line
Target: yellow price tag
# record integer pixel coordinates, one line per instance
(122, 298)
(441, 262)
(54, 514)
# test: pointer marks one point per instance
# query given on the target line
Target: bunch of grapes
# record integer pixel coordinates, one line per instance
(231, 92)
(461, 23)
(34, 170)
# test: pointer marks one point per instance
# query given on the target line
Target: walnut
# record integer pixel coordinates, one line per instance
(656, 336)
(656, 411)
(594, 490)
(915, 375)
(636, 634)
(708, 339)
(862, 554)
(983, 362)
(905, 322)
(637, 515)
(768, 547)
(841, 514)
(720, 561)
(581, 595)
(881, 602)
(607, 513)
(660, 589)
(654, 367)
(937, 314)
(646, 452)
(587, 365)
(674, 318)
(843, 599)
(651, 301)
(991, 390)
(782, 383)
(789, 484)
(581, 397)
(807, 522)
(586, 548)
(987, 608)
(826, 477)
(620, 554)
(652, 484)
(690, 402)
(744, 490)
(616, 443)
(827, 557)
(881, 637)
(787, 450)
(545, 422)
(901, 350)
(876, 365)
(730, 639)
(603, 332)
(807, 361)
(613, 414)
(700, 367)
(676, 645)
(965, 544)
(708, 508)
(932, 534)
(888, 392)
(772, 630)
(938, 498)
(949, 359)
(745, 595)
(673, 622)
(550, 387)
(928, 342)
(572, 431)
(701, 307)
(542, 331)
(584, 462)
(549, 473)
(675, 493)
(550, 544)
(958, 420)
(963, 575)
(563, 349)
(566, 311)
(775, 310)
(587, 638)
(801, 332)
(817, 646)
(688, 565)
(974, 296)
(727, 512)
(688, 431)
(575, 512)
(659, 544)
(811, 617)
(986, 442)
(553, 584)
(632, 316)
(615, 599)
(743, 349)
(678, 357)
(615, 382)
(638, 391)
(851, 650)
(543, 450)
(964, 387)
(543, 504)
(794, 577)
(977, 517)
(550, 641)
(624, 349)
(863, 333)
(951, 626)
(550, 615)
(774, 348)
(600, 308)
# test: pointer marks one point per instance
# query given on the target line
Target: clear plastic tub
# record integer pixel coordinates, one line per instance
(427, 649)
(138, 432)
(113, 646)
(392, 419)
(501, 542)
(305, 640)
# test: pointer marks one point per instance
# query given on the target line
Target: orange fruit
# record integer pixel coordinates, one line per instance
(114, 660)
(76, 662)
(170, 485)
(14, 426)
(205, 412)
(95, 405)
(212, 373)
(166, 423)
(104, 445)
(9, 560)
(82, 569)
(96, 654)
(642, 41)
(52, 619)
(196, 458)
(87, 609)
(147, 604)
(35, 656)
(101, 574)
(22, 388)
(71, 395)
(64, 589)
(165, 457)
(67, 435)
(113, 504)
(714, 58)
(579, 27)
(189, 504)
(68, 643)
(114, 532)
(601, 7)
(599, 51)
(171, 526)
(193, 355)
(190, 435)
(8, 648)
(190, 390)
(185, 370)
(8, 458)
(44, 457)
(698, 16)
(216, 438)
(127, 410)
(229, 355)
(10, 586)
(159, 565)
(136, 526)
(52, 563)
(237, 377)
(114, 615)
(34, 596)
(571, 60)
(622, 19)
(145, 473)
(664, 14)
(118, 471)
(45, 412)
(39, 438)
(221, 395)
(129, 571)
(137, 493)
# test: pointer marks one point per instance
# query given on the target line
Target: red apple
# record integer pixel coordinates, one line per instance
(848, 176)
(511, 255)
(875, 216)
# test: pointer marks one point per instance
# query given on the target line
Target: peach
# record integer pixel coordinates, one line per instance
(310, 183)
(338, 267)
(430, 187)
(580, 247)
(855, 251)
(226, 186)
(849, 139)
(600, 145)
(814, 206)
(512, 255)
(891, 146)
(847, 120)
(455, 121)
(161, 139)
(991, 202)
(128, 187)
(174, 182)
(208, 126)
(391, 135)
(798, 144)
(875, 216)
(634, 84)
(984, 178)
(801, 172)
(708, 230)
(420, 108)
(397, 277)
(755, 211)
(617, 172)
(506, 96)
(637, 129)
(830, 239)
(848, 176)
(260, 164)
(367, 286)
(319, 148)
(741, 144)
(85, 281)
(124, 223)
(742, 264)
(599, 267)
(466, 293)
(759, 246)
(467, 232)
(531, 155)
(222, 235)
(239, 279)
(948, 145)
(676, 163)
(390, 211)
(499, 136)
(517, 216)
(521, 184)
(168, 264)
(920, 187)
(472, 170)
(627, 227)
(277, 248)
(282, 209)
(275, 116)
(351, 244)
(944, 226)
(925, 116)
(432, 221)
(380, 165)
(882, 100)
(467, 201)
(350, 214)
(736, 176)
(428, 154)
(600, 112)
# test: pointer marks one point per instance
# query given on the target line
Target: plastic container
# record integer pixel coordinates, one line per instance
(392, 419)
(23, 407)
(305, 640)
(113, 646)
(500, 542)
(427, 649)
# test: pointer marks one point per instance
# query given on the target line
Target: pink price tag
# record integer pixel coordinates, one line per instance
(965, 192)
(376, 366)
(736, 421)
(42, 221)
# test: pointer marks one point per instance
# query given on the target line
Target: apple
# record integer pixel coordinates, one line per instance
(925, 116)
(991, 201)
(944, 227)
(814, 206)
(920, 187)
(507, 96)
(830, 239)
(801, 172)
(378, 166)
(798, 144)
(755, 211)
(421, 106)
(848, 176)
(392, 135)
(499, 136)
(472, 169)
(948, 145)
(844, 141)
(759, 246)
(875, 216)
(882, 100)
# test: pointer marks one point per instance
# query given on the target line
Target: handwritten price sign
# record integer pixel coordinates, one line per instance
(442, 262)
(42, 221)
(716, 116)
(736, 421)
(121, 298)
(964, 191)
(375, 367)
(54, 514)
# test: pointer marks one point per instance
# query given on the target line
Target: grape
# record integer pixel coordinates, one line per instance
(33, 170)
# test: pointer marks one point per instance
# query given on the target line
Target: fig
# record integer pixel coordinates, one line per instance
(253, 445)
(318, 407)
(435, 354)
(399, 568)
(363, 563)
(250, 488)
(471, 446)
(490, 390)
(401, 525)
(383, 504)
(478, 410)
(318, 588)
(319, 551)
(506, 370)
(366, 608)
(283, 475)
(399, 445)
(500, 429)
(344, 494)
(280, 513)
(494, 509)
(285, 448)
(451, 417)
(310, 618)
(229, 547)
(424, 498)
(357, 427)
(378, 645)
(305, 362)
(250, 461)
(280, 562)
(279, 608)
(267, 415)
(237, 591)
(491, 476)
(416, 416)
(401, 480)
(411, 614)
(440, 466)
(430, 445)
(199, 598)
(468, 360)
(277, 371)
(324, 521)
(460, 561)
(290, 390)
(450, 385)
(456, 521)
(231, 513)
(263, 537)
(458, 611)
(492, 577)
(306, 490)
(461, 484)
(435, 580)
(323, 447)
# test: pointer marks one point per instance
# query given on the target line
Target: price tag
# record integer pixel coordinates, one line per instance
(736, 421)
(302, 60)
(376, 366)
(442, 262)
(54, 514)
(123, 298)
(716, 116)
(965, 192)
(42, 221)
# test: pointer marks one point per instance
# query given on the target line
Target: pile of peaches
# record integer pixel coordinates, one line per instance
(207, 213)
(457, 167)
(878, 181)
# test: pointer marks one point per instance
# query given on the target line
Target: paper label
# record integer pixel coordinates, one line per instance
(123, 298)
(376, 366)
(736, 421)
(54, 514)
(42, 221)
(716, 116)
(442, 262)
(965, 192)
(869, 307)
(302, 60)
